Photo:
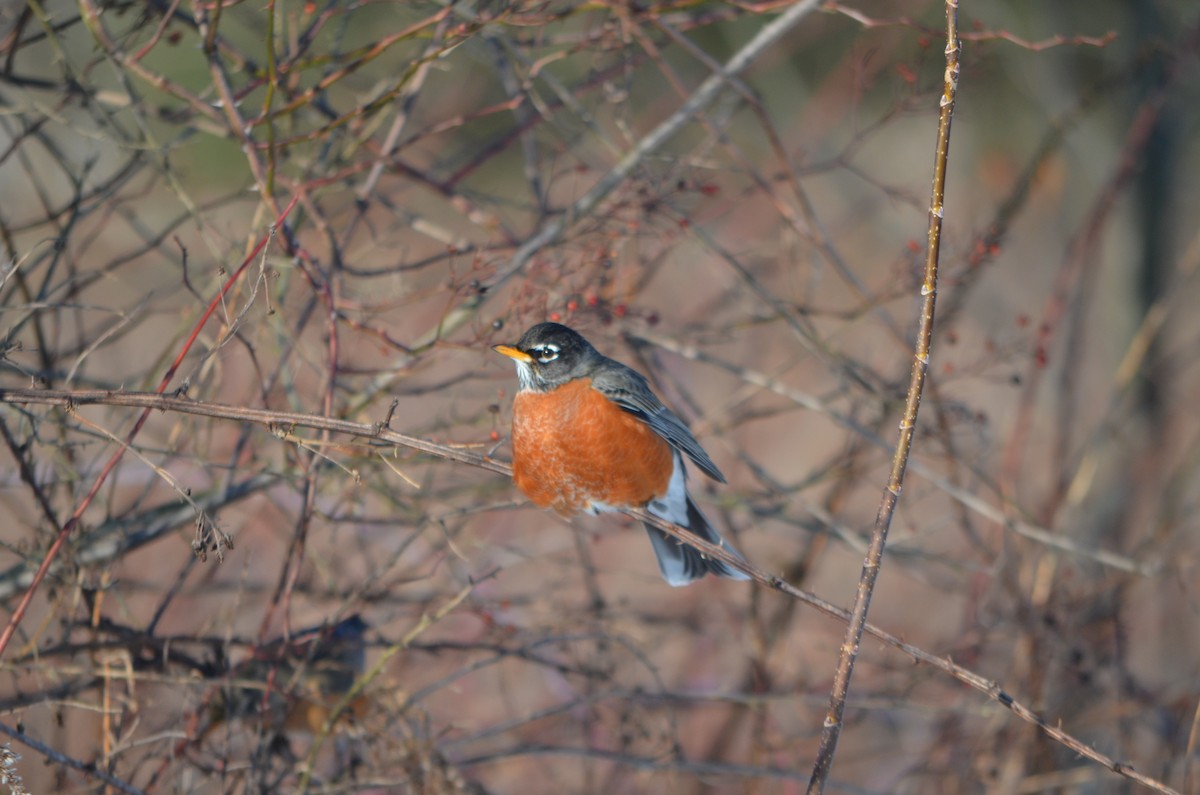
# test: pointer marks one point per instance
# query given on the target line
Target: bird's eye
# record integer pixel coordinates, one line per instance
(545, 353)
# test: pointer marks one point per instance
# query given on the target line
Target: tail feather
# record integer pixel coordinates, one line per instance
(682, 563)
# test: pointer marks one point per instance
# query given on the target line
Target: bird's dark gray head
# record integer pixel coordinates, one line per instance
(549, 355)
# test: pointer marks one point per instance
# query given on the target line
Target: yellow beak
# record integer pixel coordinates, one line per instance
(513, 353)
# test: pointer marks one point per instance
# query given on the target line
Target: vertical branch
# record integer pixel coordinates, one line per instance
(269, 96)
(891, 494)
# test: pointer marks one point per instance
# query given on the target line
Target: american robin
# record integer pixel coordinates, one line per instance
(589, 435)
(294, 685)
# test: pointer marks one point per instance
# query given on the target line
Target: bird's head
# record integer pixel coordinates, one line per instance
(549, 355)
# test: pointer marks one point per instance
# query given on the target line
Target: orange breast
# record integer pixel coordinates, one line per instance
(573, 447)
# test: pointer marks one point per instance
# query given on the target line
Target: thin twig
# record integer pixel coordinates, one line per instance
(52, 755)
(891, 494)
(280, 423)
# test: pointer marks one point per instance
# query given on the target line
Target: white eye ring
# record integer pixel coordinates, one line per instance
(545, 353)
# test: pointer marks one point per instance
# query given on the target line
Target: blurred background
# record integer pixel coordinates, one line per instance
(763, 266)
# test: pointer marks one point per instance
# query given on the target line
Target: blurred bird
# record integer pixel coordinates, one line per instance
(590, 435)
(295, 685)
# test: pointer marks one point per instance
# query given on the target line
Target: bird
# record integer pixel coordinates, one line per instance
(589, 435)
(295, 684)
